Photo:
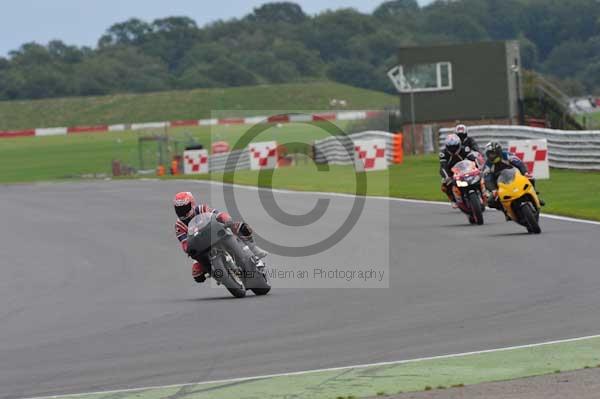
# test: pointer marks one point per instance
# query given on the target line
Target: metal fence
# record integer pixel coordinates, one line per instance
(339, 150)
(567, 149)
(227, 162)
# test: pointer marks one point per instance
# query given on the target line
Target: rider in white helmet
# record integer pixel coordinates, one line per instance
(452, 153)
(462, 131)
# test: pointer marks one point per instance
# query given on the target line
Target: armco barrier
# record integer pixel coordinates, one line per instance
(567, 149)
(339, 150)
(229, 161)
(328, 116)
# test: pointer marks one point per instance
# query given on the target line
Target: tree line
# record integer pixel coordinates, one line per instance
(279, 42)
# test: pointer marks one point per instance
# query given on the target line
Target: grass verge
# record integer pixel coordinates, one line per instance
(567, 193)
(590, 120)
(29, 159)
(188, 104)
(407, 376)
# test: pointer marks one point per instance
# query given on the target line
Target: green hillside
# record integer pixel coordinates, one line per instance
(591, 120)
(190, 104)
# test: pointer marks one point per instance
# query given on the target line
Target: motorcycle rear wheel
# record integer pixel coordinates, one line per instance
(237, 292)
(263, 290)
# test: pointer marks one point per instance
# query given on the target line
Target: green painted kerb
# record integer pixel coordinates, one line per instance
(391, 379)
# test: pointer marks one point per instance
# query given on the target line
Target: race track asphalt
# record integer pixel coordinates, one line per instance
(96, 295)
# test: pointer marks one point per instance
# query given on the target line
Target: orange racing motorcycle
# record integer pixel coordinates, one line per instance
(469, 190)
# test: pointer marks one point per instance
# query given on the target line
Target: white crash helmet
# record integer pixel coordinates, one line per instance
(462, 131)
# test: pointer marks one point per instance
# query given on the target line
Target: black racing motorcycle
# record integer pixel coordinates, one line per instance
(232, 263)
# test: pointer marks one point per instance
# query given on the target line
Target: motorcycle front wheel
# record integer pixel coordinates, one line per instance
(530, 218)
(231, 277)
(475, 205)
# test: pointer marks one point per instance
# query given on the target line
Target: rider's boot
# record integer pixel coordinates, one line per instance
(447, 189)
(198, 273)
(256, 250)
(533, 183)
(245, 234)
(452, 199)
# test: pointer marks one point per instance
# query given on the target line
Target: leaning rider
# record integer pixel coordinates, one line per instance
(453, 153)
(498, 160)
(186, 209)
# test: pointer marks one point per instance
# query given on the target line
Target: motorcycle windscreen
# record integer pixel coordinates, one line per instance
(199, 223)
(507, 176)
(203, 232)
(464, 167)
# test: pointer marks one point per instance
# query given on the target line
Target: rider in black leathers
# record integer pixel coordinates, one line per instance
(453, 153)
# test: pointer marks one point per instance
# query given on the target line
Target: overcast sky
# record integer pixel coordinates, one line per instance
(82, 22)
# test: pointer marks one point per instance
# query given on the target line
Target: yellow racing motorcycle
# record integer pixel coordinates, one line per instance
(519, 199)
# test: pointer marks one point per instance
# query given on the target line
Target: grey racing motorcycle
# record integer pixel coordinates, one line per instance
(232, 263)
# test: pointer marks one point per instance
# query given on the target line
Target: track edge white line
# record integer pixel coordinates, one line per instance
(341, 368)
(376, 197)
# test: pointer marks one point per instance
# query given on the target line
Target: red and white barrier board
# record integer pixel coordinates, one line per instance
(263, 155)
(370, 154)
(534, 154)
(195, 162)
(220, 147)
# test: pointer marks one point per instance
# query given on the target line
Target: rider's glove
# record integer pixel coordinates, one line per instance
(225, 218)
(245, 230)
